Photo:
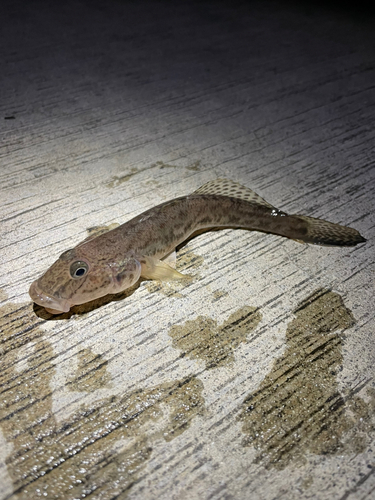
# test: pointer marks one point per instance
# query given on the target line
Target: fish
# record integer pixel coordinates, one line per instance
(116, 257)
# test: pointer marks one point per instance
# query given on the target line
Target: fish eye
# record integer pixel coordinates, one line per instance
(78, 269)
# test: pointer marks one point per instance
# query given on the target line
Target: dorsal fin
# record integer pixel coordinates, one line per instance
(226, 187)
(95, 231)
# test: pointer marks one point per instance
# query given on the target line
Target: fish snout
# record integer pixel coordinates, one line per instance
(52, 305)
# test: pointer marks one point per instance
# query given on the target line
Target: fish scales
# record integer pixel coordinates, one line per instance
(116, 259)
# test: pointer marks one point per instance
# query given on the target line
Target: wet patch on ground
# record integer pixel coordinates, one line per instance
(298, 408)
(118, 180)
(187, 260)
(99, 449)
(167, 289)
(18, 326)
(194, 166)
(215, 344)
(218, 294)
(91, 373)
(162, 165)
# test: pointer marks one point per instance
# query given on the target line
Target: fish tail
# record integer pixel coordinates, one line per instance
(297, 227)
(322, 232)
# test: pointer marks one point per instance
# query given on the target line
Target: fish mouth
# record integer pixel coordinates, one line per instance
(51, 304)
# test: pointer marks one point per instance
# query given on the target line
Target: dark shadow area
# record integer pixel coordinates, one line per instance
(83, 309)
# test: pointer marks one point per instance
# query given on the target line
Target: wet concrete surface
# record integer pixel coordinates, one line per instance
(254, 379)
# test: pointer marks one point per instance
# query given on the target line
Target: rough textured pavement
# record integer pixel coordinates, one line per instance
(256, 379)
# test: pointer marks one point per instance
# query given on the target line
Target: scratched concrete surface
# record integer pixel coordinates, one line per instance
(254, 380)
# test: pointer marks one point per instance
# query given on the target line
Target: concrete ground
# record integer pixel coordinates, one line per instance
(254, 380)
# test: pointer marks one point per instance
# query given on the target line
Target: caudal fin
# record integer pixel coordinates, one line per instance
(322, 232)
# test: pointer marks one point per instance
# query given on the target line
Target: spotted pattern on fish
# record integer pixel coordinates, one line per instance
(113, 260)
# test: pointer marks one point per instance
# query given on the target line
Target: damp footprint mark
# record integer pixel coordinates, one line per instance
(102, 447)
(205, 340)
(298, 408)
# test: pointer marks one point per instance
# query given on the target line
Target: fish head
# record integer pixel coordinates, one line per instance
(76, 279)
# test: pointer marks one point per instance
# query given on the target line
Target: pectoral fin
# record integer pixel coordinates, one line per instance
(170, 259)
(156, 269)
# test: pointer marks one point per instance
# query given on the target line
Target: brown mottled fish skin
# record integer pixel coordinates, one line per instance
(116, 259)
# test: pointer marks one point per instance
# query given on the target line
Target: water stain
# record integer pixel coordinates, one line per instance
(117, 181)
(218, 294)
(306, 482)
(91, 373)
(204, 339)
(3, 295)
(161, 165)
(188, 260)
(18, 326)
(98, 450)
(169, 289)
(194, 166)
(298, 408)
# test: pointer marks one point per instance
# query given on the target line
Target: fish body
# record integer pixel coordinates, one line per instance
(114, 260)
